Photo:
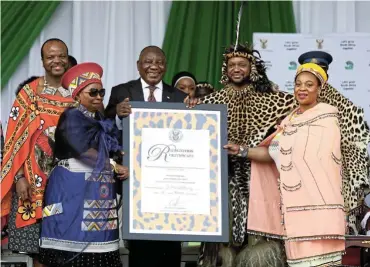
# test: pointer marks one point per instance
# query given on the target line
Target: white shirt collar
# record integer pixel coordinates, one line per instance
(144, 85)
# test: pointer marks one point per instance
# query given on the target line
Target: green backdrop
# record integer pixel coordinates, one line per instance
(21, 23)
(198, 32)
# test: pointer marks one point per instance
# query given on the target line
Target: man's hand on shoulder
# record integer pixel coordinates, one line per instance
(123, 109)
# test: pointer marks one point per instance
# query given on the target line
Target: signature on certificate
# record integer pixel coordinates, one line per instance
(175, 202)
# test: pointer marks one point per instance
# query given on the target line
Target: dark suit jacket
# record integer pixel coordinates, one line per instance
(134, 91)
(144, 252)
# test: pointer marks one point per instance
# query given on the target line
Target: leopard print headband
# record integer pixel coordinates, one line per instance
(254, 75)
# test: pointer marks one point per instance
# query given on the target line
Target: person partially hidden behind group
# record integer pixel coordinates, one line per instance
(185, 81)
(305, 178)
(71, 61)
(28, 148)
(203, 89)
(80, 222)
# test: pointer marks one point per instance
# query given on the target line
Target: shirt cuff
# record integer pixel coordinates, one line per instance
(119, 123)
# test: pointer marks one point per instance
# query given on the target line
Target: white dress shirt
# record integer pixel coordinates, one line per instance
(145, 87)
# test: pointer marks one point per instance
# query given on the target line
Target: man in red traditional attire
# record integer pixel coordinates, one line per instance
(27, 154)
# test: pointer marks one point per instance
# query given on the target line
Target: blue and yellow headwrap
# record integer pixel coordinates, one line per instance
(315, 70)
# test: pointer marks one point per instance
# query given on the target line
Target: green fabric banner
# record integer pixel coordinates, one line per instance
(198, 32)
(21, 23)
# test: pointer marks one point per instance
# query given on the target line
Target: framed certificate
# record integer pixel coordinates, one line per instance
(178, 184)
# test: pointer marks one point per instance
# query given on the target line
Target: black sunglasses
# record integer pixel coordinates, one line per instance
(95, 92)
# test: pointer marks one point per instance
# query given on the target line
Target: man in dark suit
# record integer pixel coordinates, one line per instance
(152, 67)
(150, 87)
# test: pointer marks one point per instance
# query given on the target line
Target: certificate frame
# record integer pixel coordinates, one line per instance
(215, 225)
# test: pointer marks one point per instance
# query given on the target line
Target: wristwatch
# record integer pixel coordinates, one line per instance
(243, 152)
(18, 177)
(113, 164)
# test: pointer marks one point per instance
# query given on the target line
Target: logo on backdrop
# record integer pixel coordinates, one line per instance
(349, 65)
(289, 86)
(268, 64)
(292, 65)
(291, 45)
(348, 44)
(263, 43)
(319, 43)
(348, 85)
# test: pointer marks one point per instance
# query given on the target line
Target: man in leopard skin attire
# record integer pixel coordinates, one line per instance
(254, 106)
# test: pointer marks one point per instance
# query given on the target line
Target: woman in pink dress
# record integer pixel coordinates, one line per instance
(296, 182)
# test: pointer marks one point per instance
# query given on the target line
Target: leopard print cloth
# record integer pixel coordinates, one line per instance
(355, 157)
(250, 115)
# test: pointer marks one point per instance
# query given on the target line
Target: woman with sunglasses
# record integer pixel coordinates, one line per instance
(80, 222)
